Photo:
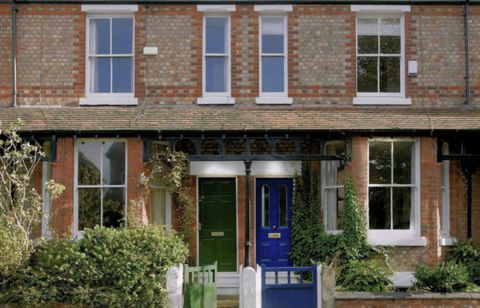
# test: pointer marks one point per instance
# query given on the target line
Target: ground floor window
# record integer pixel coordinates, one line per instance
(393, 203)
(100, 180)
(160, 204)
(333, 176)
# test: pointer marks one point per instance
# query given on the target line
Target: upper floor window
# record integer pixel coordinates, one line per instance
(216, 55)
(109, 57)
(380, 58)
(273, 55)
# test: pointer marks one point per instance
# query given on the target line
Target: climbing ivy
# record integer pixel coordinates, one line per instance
(172, 169)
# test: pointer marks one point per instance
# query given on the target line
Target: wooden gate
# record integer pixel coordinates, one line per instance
(200, 286)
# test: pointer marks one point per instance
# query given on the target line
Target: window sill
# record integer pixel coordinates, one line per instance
(113, 101)
(274, 100)
(379, 100)
(334, 232)
(447, 240)
(395, 238)
(215, 100)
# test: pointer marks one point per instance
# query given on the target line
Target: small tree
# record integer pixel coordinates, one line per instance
(20, 203)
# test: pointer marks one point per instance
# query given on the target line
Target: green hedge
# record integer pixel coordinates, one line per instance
(107, 267)
(443, 278)
(468, 254)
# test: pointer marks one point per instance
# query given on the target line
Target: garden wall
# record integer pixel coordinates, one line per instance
(406, 300)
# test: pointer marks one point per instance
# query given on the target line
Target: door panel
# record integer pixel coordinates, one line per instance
(273, 221)
(217, 223)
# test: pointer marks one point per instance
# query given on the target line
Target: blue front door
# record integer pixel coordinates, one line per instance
(274, 203)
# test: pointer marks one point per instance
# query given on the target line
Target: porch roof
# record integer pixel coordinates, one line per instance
(238, 118)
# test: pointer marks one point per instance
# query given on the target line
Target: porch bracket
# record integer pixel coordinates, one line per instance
(248, 244)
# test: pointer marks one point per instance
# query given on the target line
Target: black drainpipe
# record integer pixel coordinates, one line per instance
(248, 244)
(14, 54)
(467, 55)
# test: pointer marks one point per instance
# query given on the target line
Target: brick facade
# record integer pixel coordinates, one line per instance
(321, 55)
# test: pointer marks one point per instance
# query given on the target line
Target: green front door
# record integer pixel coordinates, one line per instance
(217, 223)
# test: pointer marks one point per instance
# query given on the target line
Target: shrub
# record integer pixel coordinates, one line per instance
(443, 278)
(366, 276)
(107, 267)
(13, 246)
(468, 254)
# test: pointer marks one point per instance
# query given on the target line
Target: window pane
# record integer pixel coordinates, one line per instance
(367, 44)
(122, 34)
(272, 34)
(334, 200)
(390, 44)
(89, 154)
(401, 207)
(367, 74)
(282, 205)
(99, 36)
(216, 71)
(273, 74)
(158, 206)
(331, 168)
(379, 207)
(113, 207)
(122, 75)
(113, 163)
(266, 206)
(367, 26)
(380, 162)
(100, 82)
(390, 26)
(88, 208)
(390, 74)
(402, 162)
(216, 35)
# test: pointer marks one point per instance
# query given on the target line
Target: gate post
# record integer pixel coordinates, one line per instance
(250, 287)
(175, 287)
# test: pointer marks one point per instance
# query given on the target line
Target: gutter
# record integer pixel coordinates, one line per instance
(14, 54)
(467, 54)
(339, 2)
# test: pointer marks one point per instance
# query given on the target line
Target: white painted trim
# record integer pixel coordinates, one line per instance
(392, 237)
(265, 100)
(210, 100)
(217, 98)
(234, 168)
(214, 8)
(273, 8)
(108, 9)
(76, 233)
(380, 8)
(46, 201)
(108, 98)
(273, 97)
(447, 241)
(376, 100)
(128, 101)
(395, 238)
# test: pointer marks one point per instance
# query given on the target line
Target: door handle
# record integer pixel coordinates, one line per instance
(274, 227)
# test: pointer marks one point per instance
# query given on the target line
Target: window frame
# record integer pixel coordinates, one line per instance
(112, 98)
(217, 97)
(273, 97)
(398, 237)
(382, 98)
(76, 186)
(325, 188)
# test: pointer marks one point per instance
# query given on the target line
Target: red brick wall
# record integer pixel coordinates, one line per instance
(408, 303)
(63, 173)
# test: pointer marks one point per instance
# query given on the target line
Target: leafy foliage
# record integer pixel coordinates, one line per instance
(308, 231)
(445, 277)
(20, 203)
(171, 169)
(366, 276)
(107, 267)
(468, 254)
